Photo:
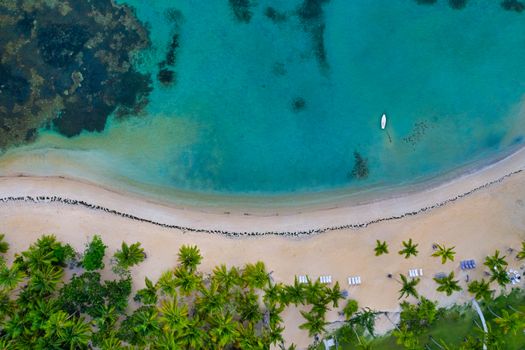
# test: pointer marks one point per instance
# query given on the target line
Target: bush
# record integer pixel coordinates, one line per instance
(94, 254)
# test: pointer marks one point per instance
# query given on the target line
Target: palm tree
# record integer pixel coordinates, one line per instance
(273, 294)
(406, 337)
(255, 275)
(408, 287)
(78, 334)
(4, 246)
(500, 276)
(248, 307)
(173, 317)
(481, 290)
(166, 283)
(409, 249)
(211, 301)
(294, 294)
(447, 284)
(128, 256)
(512, 323)
(226, 279)
(495, 262)
(444, 253)
(186, 281)
(45, 281)
(111, 342)
(147, 295)
(194, 336)
(334, 294)
(314, 324)
(365, 318)
(223, 331)
(381, 248)
(350, 309)
(521, 253)
(189, 257)
(315, 292)
(11, 277)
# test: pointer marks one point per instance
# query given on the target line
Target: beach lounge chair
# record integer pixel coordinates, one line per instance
(468, 264)
(415, 273)
(325, 279)
(354, 281)
(302, 279)
(440, 275)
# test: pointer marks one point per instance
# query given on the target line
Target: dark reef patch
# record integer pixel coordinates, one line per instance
(242, 9)
(360, 170)
(14, 89)
(279, 69)
(173, 15)
(274, 15)
(311, 14)
(59, 44)
(426, 2)
(67, 65)
(513, 5)
(457, 4)
(298, 104)
(166, 76)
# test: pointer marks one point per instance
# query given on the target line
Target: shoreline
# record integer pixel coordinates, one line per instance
(306, 221)
(488, 209)
(74, 202)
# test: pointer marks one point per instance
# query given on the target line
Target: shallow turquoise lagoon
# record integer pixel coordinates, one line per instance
(281, 105)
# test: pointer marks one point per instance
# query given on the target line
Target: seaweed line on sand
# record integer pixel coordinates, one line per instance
(234, 234)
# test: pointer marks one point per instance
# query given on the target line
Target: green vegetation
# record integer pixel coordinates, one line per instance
(94, 254)
(381, 248)
(521, 253)
(43, 306)
(408, 287)
(127, 257)
(444, 253)
(409, 248)
(448, 284)
(232, 308)
(425, 326)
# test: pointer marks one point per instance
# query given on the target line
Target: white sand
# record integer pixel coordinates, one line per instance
(488, 219)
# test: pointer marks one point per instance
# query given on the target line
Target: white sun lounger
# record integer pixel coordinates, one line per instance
(302, 279)
(354, 281)
(325, 279)
(415, 272)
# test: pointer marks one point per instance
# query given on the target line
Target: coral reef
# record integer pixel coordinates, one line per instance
(311, 15)
(426, 2)
(67, 65)
(360, 170)
(513, 5)
(242, 10)
(457, 4)
(298, 104)
(274, 15)
(167, 76)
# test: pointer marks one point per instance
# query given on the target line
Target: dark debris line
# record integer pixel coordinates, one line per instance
(234, 234)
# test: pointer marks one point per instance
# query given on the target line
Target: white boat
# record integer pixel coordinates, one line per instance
(383, 121)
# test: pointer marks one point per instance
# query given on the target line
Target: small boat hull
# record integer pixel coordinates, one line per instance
(383, 121)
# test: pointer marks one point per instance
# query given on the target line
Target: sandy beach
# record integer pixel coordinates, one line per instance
(477, 213)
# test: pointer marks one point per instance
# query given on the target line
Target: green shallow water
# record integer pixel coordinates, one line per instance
(450, 81)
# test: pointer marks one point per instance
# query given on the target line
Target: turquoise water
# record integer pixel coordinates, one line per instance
(450, 81)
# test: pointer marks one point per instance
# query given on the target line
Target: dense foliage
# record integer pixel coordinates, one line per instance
(49, 300)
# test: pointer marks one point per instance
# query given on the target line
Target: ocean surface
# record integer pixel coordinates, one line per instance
(286, 96)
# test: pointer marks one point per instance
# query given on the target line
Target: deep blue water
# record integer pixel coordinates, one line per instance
(278, 106)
